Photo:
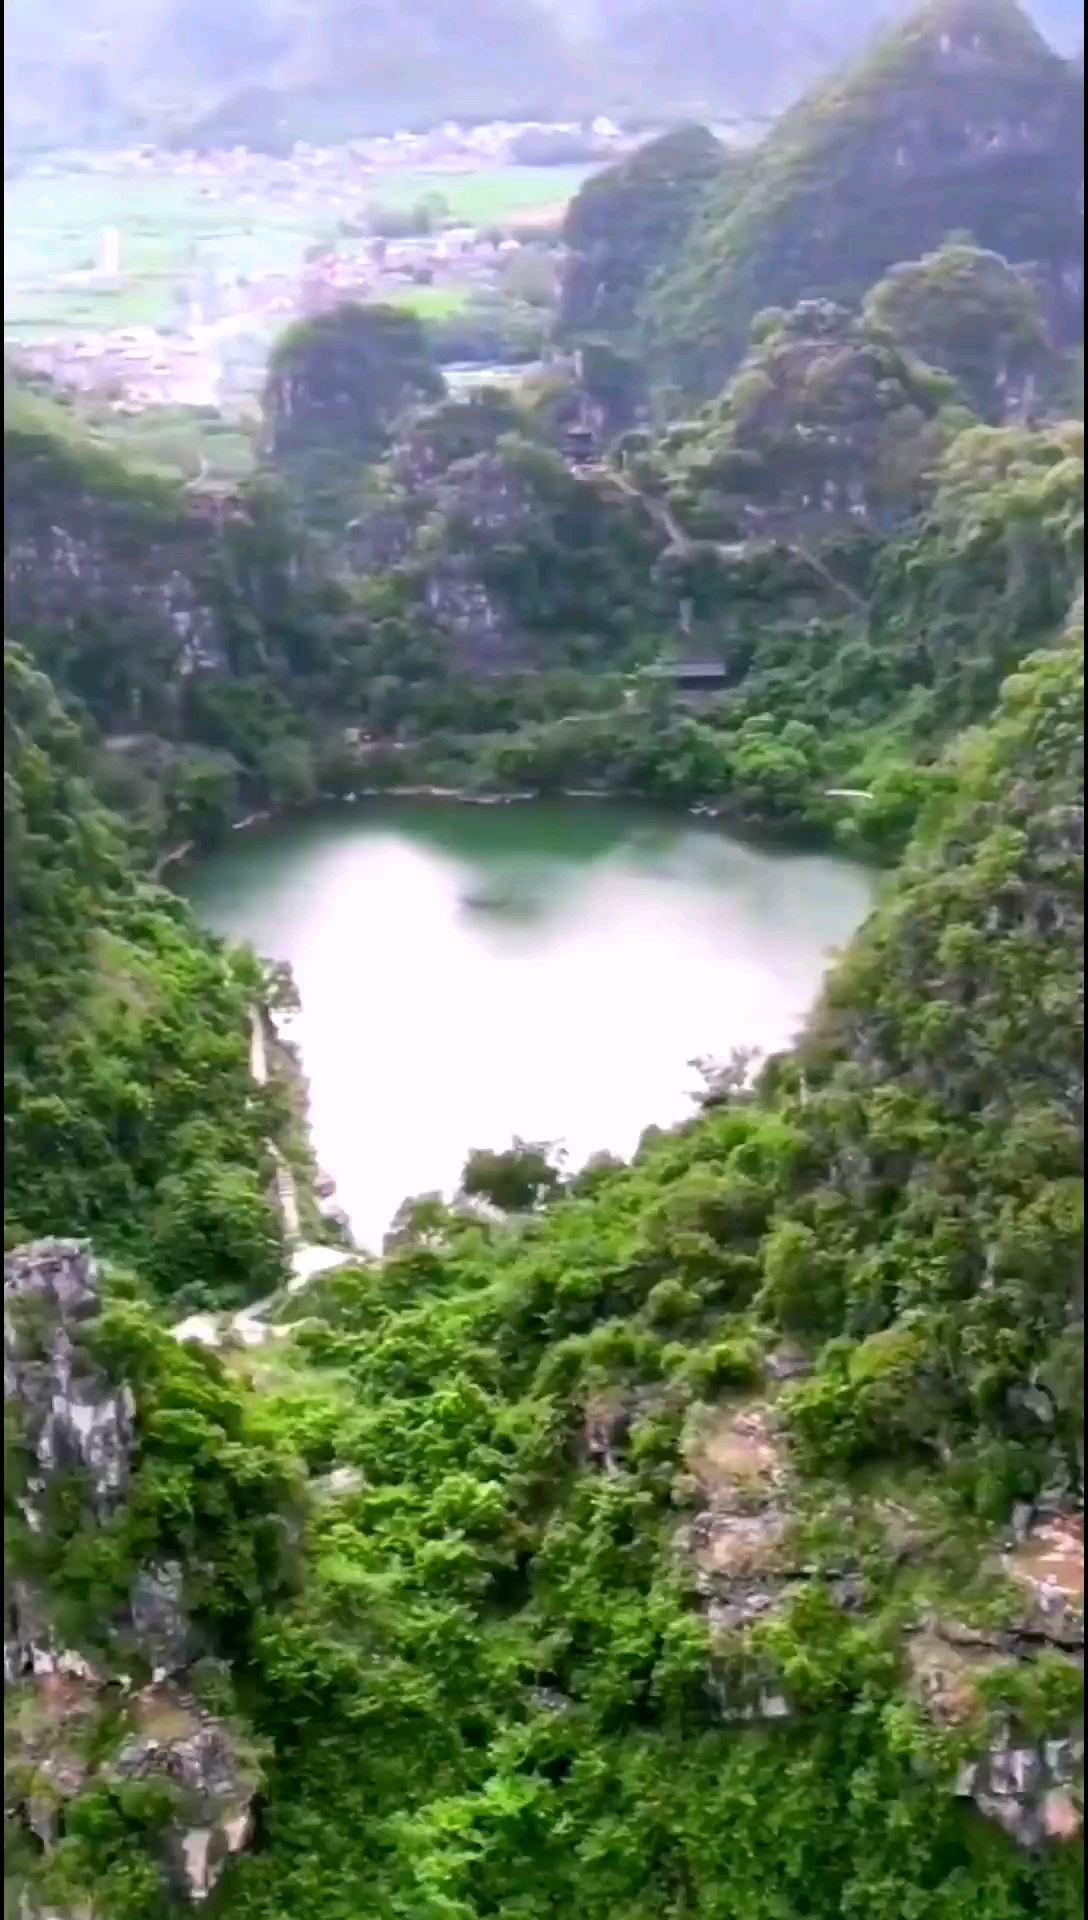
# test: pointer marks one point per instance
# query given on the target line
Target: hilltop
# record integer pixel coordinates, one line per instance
(960, 120)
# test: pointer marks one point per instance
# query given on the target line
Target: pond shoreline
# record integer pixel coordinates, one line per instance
(759, 835)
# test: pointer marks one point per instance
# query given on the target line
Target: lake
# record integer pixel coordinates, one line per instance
(549, 970)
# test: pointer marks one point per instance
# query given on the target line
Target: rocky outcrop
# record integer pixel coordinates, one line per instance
(211, 1775)
(76, 1715)
(69, 1414)
(738, 1546)
(745, 1549)
(134, 583)
(90, 546)
(506, 551)
(160, 1734)
(1032, 1786)
(1033, 1791)
(160, 1624)
(607, 1424)
(1047, 1562)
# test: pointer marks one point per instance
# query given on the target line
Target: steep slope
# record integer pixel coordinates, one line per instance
(73, 512)
(627, 223)
(960, 119)
(467, 614)
(129, 1112)
(221, 649)
(336, 386)
(582, 1420)
(129, 1772)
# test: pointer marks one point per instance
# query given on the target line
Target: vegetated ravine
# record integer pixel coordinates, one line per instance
(698, 1533)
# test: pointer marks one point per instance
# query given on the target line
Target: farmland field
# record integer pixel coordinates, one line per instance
(171, 225)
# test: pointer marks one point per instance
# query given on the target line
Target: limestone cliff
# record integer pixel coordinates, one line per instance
(97, 553)
(93, 1715)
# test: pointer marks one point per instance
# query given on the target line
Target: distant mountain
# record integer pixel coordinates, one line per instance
(268, 72)
(960, 119)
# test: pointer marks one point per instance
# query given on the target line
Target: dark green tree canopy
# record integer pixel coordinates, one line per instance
(337, 383)
(968, 311)
(627, 222)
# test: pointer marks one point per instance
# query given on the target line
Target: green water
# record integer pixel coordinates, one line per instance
(472, 973)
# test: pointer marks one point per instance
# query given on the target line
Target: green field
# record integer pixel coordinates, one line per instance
(168, 226)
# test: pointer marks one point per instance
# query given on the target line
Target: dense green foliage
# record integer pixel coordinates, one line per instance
(967, 311)
(865, 563)
(493, 1688)
(819, 697)
(826, 421)
(627, 224)
(128, 1108)
(336, 385)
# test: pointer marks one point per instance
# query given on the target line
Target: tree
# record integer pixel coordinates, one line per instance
(966, 310)
(337, 383)
(614, 381)
(516, 1180)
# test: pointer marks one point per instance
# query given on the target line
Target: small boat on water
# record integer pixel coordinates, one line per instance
(511, 903)
(484, 902)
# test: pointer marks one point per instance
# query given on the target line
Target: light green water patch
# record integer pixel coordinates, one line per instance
(550, 971)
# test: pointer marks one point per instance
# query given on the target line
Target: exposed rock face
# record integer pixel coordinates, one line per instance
(61, 1705)
(739, 1546)
(173, 1739)
(607, 1424)
(1032, 1787)
(165, 1735)
(743, 1545)
(69, 1414)
(1048, 1561)
(159, 1617)
(1032, 1791)
(85, 547)
(134, 580)
(508, 553)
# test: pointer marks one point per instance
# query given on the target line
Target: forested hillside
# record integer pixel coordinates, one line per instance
(697, 1536)
(128, 1108)
(960, 120)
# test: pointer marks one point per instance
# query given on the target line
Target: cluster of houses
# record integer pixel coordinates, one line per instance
(225, 316)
